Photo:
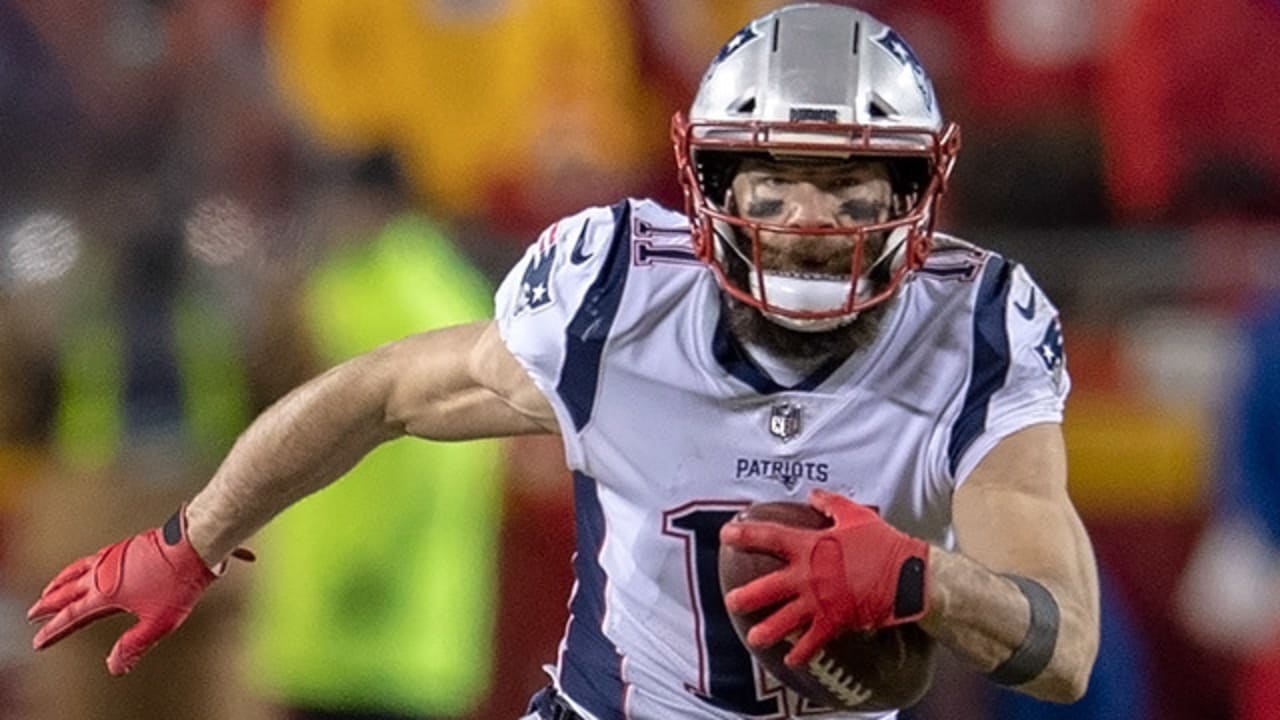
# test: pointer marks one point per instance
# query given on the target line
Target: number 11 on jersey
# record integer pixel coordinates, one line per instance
(728, 676)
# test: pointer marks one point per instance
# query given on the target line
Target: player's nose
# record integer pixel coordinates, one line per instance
(811, 206)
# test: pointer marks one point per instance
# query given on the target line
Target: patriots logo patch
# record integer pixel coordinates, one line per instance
(893, 43)
(1051, 353)
(1050, 347)
(535, 284)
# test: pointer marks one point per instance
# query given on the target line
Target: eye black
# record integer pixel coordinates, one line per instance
(764, 208)
(861, 209)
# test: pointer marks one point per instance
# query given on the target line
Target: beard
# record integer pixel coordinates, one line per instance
(749, 325)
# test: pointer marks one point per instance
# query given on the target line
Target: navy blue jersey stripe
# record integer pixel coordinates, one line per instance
(991, 357)
(738, 363)
(589, 329)
(734, 359)
(591, 670)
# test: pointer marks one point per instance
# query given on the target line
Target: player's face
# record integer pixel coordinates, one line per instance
(823, 194)
(812, 194)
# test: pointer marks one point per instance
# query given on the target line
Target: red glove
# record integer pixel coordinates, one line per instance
(860, 574)
(156, 576)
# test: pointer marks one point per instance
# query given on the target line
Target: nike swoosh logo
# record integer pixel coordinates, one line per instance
(1027, 311)
(577, 257)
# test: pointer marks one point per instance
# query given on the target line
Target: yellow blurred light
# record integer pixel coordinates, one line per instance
(1130, 458)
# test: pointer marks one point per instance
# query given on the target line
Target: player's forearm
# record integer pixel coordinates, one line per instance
(302, 443)
(984, 618)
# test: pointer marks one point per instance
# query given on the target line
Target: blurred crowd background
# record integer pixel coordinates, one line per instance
(204, 203)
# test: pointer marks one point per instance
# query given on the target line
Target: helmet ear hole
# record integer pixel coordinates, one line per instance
(715, 173)
(909, 174)
(909, 177)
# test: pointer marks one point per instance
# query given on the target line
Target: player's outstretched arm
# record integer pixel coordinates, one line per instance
(457, 383)
(1019, 599)
(454, 383)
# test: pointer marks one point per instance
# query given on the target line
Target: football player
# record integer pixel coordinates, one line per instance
(799, 333)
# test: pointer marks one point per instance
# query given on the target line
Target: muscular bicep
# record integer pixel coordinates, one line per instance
(461, 383)
(1013, 513)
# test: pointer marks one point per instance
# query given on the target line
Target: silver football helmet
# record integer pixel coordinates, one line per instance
(824, 81)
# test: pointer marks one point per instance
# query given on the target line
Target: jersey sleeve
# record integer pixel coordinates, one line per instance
(1023, 374)
(549, 293)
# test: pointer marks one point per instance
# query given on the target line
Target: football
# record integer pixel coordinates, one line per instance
(871, 671)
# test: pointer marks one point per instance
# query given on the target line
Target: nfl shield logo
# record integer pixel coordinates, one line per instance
(784, 421)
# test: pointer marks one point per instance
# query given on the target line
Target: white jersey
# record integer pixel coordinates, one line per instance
(670, 428)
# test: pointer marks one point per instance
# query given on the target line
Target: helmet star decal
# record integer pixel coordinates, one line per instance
(738, 40)
(892, 42)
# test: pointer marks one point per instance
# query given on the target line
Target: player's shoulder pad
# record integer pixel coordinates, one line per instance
(592, 249)
(953, 260)
(1018, 373)
(1012, 314)
(1035, 328)
(944, 243)
(565, 259)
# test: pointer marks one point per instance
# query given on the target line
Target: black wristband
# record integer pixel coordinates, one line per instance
(1033, 655)
(172, 528)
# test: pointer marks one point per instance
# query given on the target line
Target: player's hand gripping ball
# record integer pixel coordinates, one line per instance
(826, 597)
